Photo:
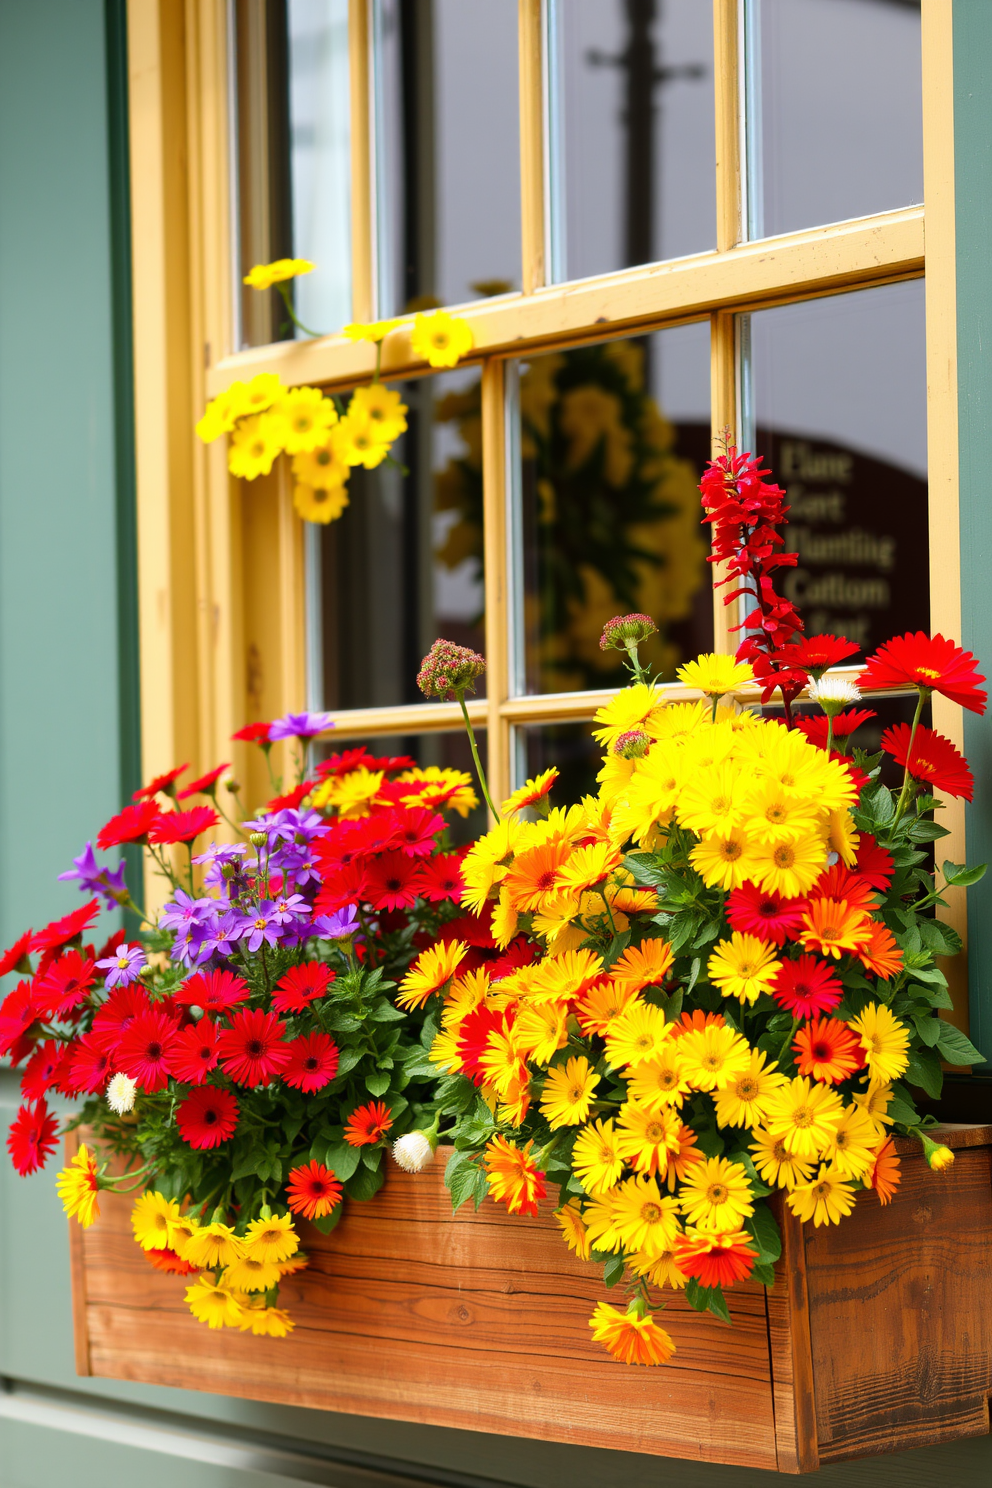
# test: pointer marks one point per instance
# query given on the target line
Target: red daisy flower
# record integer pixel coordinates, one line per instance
(313, 1064)
(291, 799)
(132, 825)
(393, 881)
(254, 733)
(44, 1069)
(473, 929)
(65, 984)
(183, 826)
(32, 1138)
(715, 1260)
(300, 985)
(414, 831)
(814, 726)
(520, 952)
(341, 764)
(18, 1011)
(755, 911)
(204, 785)
(60, 932)
(213, 991)
(168, 1261)
(251, 1050)
(933, 759)
(932, 662)
(16, 954)
(828, 1050)
(874, 863)
(313, 1190)
(193, 1052)
(806, 987)
(92, 1066)
(145, 1048)
(345, 885)
(839, 882)
(816, 654)
(117, 1014)
(443, 879)
(207, 1117)
(160, 783)
(367, 1124)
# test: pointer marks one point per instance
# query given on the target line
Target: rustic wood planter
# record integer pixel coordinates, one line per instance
(876, 1338)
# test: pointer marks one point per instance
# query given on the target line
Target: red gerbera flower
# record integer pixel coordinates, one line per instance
(816, 654)
(145, 1048)
(65, 984)
(313, 1064)
(715, 1259)
(367, 1124)
(251, 1050)
(16, 954)
(203, 785)
(838, 882)
(193, 1052)
(341, 764)
(300, 985)
(92, 1066)
(131, 825)
(806, 987)
(414, 831)
(827, 1050)
(160, 783)
(874, 863)
(213, 991)
(755, 911)
(291, 799)
(933, 759)
(393, 881)
(931, 662)
(520, 952)
(168, 1261)
(207, 1117)
(60, 932)
(814, 726)
(18, 1011)
(345, 885)
(254, 733)
(117, 1014)
(32, 1138)
(443, 879)
(183, 826)
(44, 1069)
(313, 1190)
(473, 1035)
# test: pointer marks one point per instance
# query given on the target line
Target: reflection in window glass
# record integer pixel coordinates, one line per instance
(635, 99)
(448, 151)
(442, 751)
(403, 564)
(840, 404)
(613, 441)
(571, 749)
(841, 112)
(293, 160)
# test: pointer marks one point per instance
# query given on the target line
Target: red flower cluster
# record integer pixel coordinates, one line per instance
(387, 860)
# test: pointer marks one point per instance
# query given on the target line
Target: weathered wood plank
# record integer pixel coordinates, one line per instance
(791, 1355)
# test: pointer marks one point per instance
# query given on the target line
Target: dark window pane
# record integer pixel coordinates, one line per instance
(444, 751)
(840, 403)
(403, 564)
(293, 160)
(449, 151)
(573, 751)
(635, 85)
(614, 438)
(841, 113)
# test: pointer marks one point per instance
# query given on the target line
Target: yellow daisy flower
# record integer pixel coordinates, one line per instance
(638, 1034)
(716, 1195)
(305, 416)
(430, 973)
(322, 467)
(661, 1271)
(715, 674)
(568, 1093)
(540, 1030)
(383, 406)
(78, 1187)
(789, 868)
(530, 793)
(255, 444)
(826, 1199)
(361, 441)
(743, 967)
(272, 1239)
(805, 1115)
(853, 1143)
(638, 707)
(151, 1220)
(742, 1102)
(567, 975)
(589, 866)
(441, 339)
(660, 1082)
(596, 1158)
(713, 1056)
(779, 1167)
(251, 1275)
(573, 1228)
(214, 1244)
(643, 1217)
(213, 1303)
(263, 276)
(319, 503)
(645, 1137)
(374, 331)
(266, 1322)
(724, 861)
(875, 1103)
(885, 1041)
(772, 814)
(711, 801)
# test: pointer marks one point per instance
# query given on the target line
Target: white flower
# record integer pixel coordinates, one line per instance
(120, 1094)
(835, 690)
(414, 1152)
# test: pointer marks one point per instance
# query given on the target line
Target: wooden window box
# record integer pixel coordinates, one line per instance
(876, 1338)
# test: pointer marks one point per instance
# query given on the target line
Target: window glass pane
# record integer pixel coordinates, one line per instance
(403, 564)
(444, 751)
(293, 160)
(571, 749)
(841, 113)
(635, 98)
(840, 401)
(448, 151)
(613, 441)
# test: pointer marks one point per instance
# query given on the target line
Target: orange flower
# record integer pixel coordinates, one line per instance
(644, 965)
(884, 1175)
(828, 1050)
(833, 927)
(168, 1261)
(630, 1337)
(839, 882)
(682, 1157)
(715, 1259)
(367, 1124)
(880, 953)
(530, 793)
(601, 1004)
(514, 1178)
(534, 879)
(695, 1021)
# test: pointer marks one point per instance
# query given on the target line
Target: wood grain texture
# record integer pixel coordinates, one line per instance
(791, 1352)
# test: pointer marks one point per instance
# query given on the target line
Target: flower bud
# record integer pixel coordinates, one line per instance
(448, 670)
(258, 839)
(415, 1152)
(936, 1154)
(634, 744)
(625, 631)
(834, 693)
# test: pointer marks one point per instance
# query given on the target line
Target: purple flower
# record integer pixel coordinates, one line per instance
(184, 911)
(289, 907)
(220, 856)
(261, 925)
(299, 726)
(219, 938)
(191, 945)
(93, 879)
(340, 925)
(124, 966)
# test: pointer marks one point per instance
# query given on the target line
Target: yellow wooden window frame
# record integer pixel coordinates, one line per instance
(222, 569)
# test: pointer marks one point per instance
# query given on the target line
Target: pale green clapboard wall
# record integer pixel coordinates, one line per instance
(67, 750)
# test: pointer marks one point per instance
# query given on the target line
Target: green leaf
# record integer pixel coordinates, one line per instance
(767, 1237)
(336, 1020)
(926, 1026)
(924, 1070)
(342, 1160)
(707, 1299)
(954, 1046)
(460, 1177)
(377, 1083)
(926, 831)
(365, 1184)
(959, 876)
(902, 1110)
(613, 1270)
(481, 1186)
(764, 1273)
(349, 1058)
(328, 1222)
(384, 1012)
(939, 939)
(419, 1068)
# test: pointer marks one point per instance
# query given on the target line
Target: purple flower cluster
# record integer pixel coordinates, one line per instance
(107, 883)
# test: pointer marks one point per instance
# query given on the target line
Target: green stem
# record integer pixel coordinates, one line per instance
(284, 292)
(788, 1040)
(830, 733)
(276, 784)
(475, 755)
(904, 794)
